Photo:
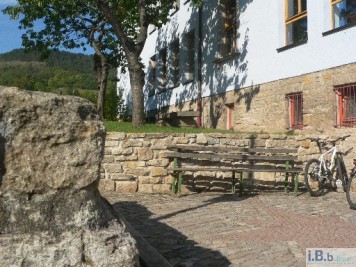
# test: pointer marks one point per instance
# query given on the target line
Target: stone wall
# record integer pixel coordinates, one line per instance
(135, 162)
(264, 107)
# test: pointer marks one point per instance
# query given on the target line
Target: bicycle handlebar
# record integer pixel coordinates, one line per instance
(317, 139)
(346, 152)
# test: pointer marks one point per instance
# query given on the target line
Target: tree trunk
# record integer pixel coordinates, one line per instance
(102, 69)
(137, 82)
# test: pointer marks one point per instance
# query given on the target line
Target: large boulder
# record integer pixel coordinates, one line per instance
(51, 212)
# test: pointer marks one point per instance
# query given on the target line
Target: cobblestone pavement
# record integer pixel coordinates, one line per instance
(271, 229)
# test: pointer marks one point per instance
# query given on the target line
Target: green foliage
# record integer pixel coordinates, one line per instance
(111, 103)
(31, 74)
(119, 126)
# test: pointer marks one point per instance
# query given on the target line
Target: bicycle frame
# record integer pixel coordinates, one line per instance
(322, 160)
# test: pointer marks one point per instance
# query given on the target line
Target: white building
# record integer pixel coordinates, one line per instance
(254, 65)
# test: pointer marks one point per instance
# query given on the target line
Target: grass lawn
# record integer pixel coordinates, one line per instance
(116, 126)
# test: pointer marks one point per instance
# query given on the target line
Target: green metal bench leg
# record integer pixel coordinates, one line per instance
(241, 184)
(286, 180)
(174, 182)
(286, 183)
(296, 183)
(180, 181)
(233, 183)
(175, 176)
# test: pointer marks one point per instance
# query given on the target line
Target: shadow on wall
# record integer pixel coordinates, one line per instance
(220, 71)
(177, 248)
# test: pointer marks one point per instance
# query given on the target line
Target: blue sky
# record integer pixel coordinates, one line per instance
(10, 35)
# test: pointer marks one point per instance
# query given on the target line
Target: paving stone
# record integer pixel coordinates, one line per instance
(271, 229)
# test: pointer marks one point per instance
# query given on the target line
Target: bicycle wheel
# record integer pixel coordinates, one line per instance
(343, 177)
(315, 184)
(351, 192)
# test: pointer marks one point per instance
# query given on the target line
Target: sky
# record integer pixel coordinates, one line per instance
(10, 35)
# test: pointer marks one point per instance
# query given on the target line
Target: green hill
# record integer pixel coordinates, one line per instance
(61, 73)
(59, 59)
(66, 72)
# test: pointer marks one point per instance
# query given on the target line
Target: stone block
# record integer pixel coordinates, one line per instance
(132, 143)
(157, 171)
(145, 188)
(136, 135)
(138, 171)
(125, 158)
(126, 186)
(133, 164)
(111, 143)
(150, 180)
(121, 177)
(158, 162)
(106, 185)
(112, 167)
(305, 144)
(161, 188)
(145, 154)
(122, 151)
(108, 159)
(114, 136)
(182, 140)
(201, 139)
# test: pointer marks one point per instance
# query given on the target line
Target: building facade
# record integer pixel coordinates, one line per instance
(254, 65)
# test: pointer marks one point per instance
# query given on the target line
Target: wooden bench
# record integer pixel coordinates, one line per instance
(195, 158)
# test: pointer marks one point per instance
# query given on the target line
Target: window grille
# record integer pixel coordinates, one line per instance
(228, 43)
(296, 21)
(346, 102)
(163, 69)
(190, 54)
(295, 110)
(175, 62)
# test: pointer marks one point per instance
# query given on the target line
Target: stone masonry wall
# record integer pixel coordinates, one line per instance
(134, 162)
(264, 107)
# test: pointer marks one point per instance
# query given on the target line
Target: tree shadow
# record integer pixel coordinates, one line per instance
(217, 76)
(177, 248)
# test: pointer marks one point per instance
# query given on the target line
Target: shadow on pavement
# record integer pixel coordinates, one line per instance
(177, 248)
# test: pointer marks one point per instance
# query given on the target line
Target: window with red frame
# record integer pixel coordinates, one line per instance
(295, 110)
(346, 102)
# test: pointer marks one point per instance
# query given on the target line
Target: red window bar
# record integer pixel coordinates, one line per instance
(346, 110)
(295, 110)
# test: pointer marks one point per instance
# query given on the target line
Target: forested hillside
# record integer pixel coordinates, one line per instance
(62, 70)
(62, 73)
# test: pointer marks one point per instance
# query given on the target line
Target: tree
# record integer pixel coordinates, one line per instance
(70, 24)
(102, 23)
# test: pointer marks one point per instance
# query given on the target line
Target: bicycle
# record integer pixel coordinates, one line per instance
(319, 173)
(351, 188)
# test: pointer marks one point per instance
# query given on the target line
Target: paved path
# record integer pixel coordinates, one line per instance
(271, 229)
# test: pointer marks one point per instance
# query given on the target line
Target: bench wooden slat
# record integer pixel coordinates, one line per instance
(243, 157)
(233, 149)
(272, 169)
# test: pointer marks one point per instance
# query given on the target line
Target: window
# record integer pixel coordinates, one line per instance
(176, 6)
(343, 13)
(229, 41)
(296, 21)
(295, 110)
(163, 69)
(175, 63)
(189, 67)
(346, 102)
(152, 76)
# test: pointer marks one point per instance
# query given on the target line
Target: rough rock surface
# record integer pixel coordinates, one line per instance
(51, 212)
